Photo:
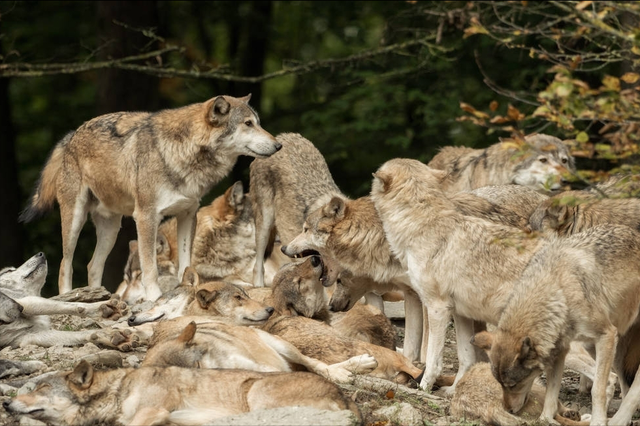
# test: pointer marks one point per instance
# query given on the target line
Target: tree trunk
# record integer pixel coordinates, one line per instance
(121, 90)
(11, 231)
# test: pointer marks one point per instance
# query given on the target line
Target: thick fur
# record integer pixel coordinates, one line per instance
(284, 190)
(170, 395)
(469, 259)
(299, 288)
(145, 165)
(575, 211)
(26, 317)
(206, 343)
(478, 396)
(539, 161)
(583, 287)
(318, 340)
(223, 247)
(212, 299)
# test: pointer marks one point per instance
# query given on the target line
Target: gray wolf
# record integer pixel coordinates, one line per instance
(478, 396)
(27, 319)
(145, 165)
(539, 162)
(285, 189)
(170, 395)
(470, 259)
(207, 343)
(584, 288)
(319, 340)
(212, 299)
(575, 211)
(299, 288)
(223, 247)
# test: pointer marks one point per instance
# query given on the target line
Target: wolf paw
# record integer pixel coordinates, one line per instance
(571, 415)
(361, 364)
(123, 340)
(114, 309)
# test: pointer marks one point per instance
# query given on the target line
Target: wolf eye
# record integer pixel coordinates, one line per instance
(564, 161)
(249, 123)
(543, 160)
(238, 297)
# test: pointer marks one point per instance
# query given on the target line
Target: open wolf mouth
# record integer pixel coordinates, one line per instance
(306, 253)
(316, 260)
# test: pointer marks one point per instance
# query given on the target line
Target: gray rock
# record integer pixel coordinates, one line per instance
(290, 416)
(401, 413)
(28, 421)
(133, 361)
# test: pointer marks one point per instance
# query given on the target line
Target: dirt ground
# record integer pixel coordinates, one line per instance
(432, 411)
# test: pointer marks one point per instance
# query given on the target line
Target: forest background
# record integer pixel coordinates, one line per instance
(365, 81)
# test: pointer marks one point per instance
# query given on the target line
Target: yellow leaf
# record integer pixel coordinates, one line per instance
(636, 50)
(630, 77)
(514, 114)
(582, 137)
(468, 108)
(611, 83)
(493, 105)
(583, 4)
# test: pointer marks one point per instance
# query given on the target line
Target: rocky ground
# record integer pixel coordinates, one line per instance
(385, 404)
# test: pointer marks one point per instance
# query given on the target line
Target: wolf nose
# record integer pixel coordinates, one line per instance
(270, 310)
(6, 405)
(283, 249)
(40, 254)
(20, 307)
(278, 146)
(131, 320)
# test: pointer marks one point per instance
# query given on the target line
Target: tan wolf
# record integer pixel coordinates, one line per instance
(207, 343)
(170, 395)
(539, 162)
(145, 165)
(478, 396)
(482, 261)
(584, 288)
(223, 247)
(25, 314)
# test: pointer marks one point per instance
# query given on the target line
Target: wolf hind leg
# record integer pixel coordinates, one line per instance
(265, 221)
(107, 228)
(73, 214)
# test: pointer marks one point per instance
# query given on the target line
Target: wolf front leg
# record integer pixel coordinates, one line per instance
(147, 221)
(466, 352)
(554, 380)
(413, 325)
(439, 316)
(186, 232)
(605, 353)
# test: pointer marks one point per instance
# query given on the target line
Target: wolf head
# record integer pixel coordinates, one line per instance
(297, 287)
(514, 363)
(240, 126)
(27, 280)
(171, 304)
(230, 302)
(541, 162)
(58, 397)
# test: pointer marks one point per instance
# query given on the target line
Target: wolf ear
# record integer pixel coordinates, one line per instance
(235, 194)
(162, 245)
(82, 375)
(190, 277)
(483, 340)
(385, 179)
(335, 208)
(438, 174)
(219, 111)
(559, 213)
(188, 333)
(205, 297)
(527, 351)
(246, 99)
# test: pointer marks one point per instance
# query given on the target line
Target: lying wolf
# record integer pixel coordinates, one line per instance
(170, 395)
(26, 319)
(210, 343)
(145, 165)
(539, 162)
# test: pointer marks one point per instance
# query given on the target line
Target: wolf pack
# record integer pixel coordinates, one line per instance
(275, 297)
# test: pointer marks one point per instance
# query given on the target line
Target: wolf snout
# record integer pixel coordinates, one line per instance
(132, 320)
(270, 310)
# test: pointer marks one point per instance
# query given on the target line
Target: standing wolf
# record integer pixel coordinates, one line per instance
(537, 162)
(145, 165)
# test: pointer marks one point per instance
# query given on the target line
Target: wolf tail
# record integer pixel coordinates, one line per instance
(44, 194)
